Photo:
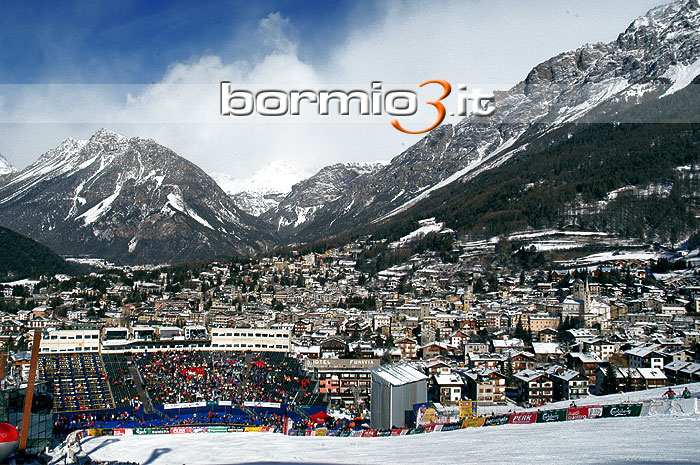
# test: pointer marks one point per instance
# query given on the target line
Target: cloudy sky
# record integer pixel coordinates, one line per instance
(152, 69)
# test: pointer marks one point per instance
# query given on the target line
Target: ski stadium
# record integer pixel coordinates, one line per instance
(221, 407)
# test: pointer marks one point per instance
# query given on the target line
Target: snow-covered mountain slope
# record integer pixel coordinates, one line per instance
(126, 200)
(656, 54)
(264, 190)
(5, 167)
(310, 195)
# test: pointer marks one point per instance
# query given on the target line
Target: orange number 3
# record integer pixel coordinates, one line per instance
(439, 106)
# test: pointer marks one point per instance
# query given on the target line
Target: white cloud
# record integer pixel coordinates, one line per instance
(485, 44)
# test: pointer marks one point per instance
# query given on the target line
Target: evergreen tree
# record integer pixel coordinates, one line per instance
(510, 374)
(520, 332)
(609, 385)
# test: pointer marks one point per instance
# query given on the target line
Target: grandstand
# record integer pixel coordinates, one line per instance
(121, 383)
(176, 377)
(79, 380)
(185, 387)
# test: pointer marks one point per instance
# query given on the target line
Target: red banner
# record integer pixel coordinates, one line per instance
(396, 432)
(522, 418)
(180, 430)
(577, 413)
(192, 371)
(369, 433)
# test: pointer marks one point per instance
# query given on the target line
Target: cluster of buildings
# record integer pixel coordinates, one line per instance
(496, 337)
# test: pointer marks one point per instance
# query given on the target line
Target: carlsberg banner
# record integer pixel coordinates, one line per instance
(551, 415)
(622, 410)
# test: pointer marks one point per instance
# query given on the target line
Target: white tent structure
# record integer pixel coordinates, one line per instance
(396, 388)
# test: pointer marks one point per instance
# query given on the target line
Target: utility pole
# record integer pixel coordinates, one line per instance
(29, 392)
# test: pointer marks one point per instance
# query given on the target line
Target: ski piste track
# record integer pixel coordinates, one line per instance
(614, 433)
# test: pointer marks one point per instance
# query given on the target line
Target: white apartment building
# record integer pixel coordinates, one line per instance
(254, 339)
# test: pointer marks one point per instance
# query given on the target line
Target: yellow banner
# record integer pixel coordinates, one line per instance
(474, 422)
(467, 409)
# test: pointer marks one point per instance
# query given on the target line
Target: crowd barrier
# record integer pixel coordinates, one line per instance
(517, 418)
(678, 406)
(95, 432)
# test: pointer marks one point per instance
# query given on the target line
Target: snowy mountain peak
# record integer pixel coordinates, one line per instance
(264, 189)
(126, 200)
(656, 55)
(278, 177)
(5, 167)
(105, 134)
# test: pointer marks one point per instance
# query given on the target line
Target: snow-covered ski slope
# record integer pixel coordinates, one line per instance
(661, 439)
(669, 438)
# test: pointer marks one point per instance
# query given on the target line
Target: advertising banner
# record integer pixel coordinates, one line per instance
(622, 410)
(577, 413)
(497, 420)
(321, 431)
(185, 405)
(180, 430)
(522, 418)
(549, 416)
(356, 434)
(142, 430)
(95, 432)
(425, 415)
(595, 411)
(198, 429)
(467, 409)
(429, 429)
(383, 433)
(217, 429)
(451, 427)
(160, 430)
(122, 432)
(473, 422)
(369, 433)
(396, 432)
(263, 404)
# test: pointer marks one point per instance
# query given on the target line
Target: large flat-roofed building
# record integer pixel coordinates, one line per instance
(396, 388)
(70, 340)
(253, 339)
(341, 380)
